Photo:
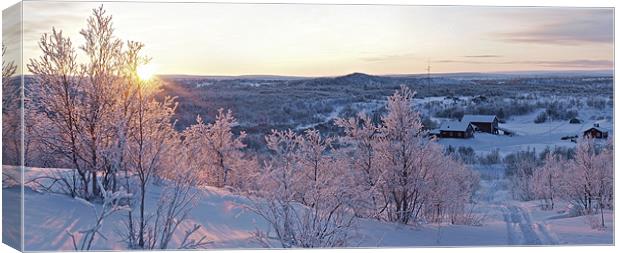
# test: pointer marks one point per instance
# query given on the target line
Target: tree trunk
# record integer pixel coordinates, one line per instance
(95, 185)
(141, 232)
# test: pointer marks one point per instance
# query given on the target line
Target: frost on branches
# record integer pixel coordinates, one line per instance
(404, 176)
(219, 149)
(312, 192)
(302, 196)
(584, 180)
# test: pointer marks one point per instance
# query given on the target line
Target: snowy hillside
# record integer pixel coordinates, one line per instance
(227, 223)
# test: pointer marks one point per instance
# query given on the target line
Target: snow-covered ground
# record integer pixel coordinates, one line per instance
(525, 223)
(227, 223)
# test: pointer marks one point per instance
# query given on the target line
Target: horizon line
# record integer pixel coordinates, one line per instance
(577, 71)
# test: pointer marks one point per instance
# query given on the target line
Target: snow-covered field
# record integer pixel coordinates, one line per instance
(532, 135)
(227, 223)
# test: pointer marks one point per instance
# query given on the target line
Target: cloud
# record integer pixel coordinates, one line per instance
(483, 56)
(389, 57)
(572, 64)
(594, 26)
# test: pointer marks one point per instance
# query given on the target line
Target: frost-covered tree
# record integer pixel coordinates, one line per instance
(520, 168)
(195, 150)
(82, 101)
(588, 181)
(404, 152)
(302, 211)
(547, 180)
(398, 173)
(450, 186)
(363, 137)
(102, 74)
(221, 160)
(57, 74)
(152, 138)
(316, 167)
(124, 109)
(224, 147)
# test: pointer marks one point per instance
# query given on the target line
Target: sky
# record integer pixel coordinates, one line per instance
(328, 40)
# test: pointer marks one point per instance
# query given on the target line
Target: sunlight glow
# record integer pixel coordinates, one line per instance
(332, 40)
(146, 72)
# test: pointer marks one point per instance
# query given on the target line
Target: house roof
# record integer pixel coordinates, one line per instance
(478, 118)
(600, 129)
(454, 126)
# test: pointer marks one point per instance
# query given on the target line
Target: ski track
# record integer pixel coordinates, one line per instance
(522, 231)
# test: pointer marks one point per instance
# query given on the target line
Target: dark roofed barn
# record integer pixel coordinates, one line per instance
(484, 123)
(456, 129)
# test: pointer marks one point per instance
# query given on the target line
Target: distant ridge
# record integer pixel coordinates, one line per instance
(360, 75)
(542, 73)
(507, 74)
(254, 77)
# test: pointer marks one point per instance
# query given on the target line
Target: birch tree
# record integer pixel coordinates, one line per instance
(302, 211)
(220, 149)
(224, 147)
(403, 151)
(152, 138)
(588, 180)
(547, 180)
(102, 72)
(60, 87)
(363, 137)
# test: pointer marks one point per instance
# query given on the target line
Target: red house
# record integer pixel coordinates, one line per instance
(596, 132)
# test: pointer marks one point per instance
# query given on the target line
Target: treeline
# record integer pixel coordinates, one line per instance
(558, 108)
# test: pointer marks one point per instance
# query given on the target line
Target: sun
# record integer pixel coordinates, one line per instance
(146, 72)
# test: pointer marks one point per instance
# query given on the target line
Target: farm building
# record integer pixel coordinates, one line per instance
(456, 129)
(596, 132)
(483, 123)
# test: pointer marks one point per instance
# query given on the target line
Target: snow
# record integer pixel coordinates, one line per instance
(227, 222)
(454, 126)
(566, 230)
(478, 118)
(526, 223)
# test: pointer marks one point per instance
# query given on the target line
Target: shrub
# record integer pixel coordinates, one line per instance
(541, 118)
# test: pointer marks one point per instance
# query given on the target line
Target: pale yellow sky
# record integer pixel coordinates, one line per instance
(325, 40)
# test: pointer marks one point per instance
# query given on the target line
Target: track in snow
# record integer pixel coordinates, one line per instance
(522, 231)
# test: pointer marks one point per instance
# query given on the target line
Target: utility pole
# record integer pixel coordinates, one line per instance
(428, 72)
